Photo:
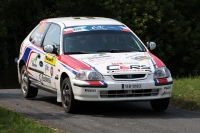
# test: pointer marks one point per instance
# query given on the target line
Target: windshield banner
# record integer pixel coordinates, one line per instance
(95, 27)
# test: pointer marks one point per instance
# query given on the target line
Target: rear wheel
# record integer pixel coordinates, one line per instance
(27, 90)
(160, 104)
(68, 101)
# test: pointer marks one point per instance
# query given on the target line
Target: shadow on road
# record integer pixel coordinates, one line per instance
(126, 110)
(122, 109)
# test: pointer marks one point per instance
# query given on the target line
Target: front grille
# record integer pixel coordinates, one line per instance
(129, 76)
(129, 93)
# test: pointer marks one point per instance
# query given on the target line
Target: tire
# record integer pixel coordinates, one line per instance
(27, 90)
(160, 104)
(68, 102)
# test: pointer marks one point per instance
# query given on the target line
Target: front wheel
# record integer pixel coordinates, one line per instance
(27, 90)
(68, 101)
(160, 104)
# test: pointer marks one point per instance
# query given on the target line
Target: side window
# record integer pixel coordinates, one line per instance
(53, 36)
(38, 35)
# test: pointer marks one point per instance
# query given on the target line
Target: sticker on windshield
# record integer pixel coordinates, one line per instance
(95, 28)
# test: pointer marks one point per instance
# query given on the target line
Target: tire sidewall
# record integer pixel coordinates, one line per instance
(24, 94)
(69, 107)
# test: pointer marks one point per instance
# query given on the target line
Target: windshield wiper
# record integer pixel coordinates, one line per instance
(77, 52)
(114, 51)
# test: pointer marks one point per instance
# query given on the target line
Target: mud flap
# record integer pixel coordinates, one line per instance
(59, 95)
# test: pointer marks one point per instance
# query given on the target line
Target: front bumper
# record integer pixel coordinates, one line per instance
(112, 90)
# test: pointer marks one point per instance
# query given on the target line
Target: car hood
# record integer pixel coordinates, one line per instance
(109, 63)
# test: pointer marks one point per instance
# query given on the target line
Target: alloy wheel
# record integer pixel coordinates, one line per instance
(66, 95)
(24, 84)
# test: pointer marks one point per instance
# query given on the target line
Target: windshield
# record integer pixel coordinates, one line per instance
(87, 39)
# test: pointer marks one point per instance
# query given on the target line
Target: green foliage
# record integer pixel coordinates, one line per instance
(173, 25)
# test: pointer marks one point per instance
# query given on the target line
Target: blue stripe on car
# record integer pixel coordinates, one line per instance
(74, 72)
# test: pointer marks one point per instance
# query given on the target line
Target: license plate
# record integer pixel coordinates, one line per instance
(131, 86)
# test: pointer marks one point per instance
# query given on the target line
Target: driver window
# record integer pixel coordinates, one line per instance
(53, 36)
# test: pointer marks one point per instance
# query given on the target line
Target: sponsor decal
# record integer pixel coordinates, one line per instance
(28, 51)
(138, 57)
(95, 27)
(141, 58)
(134, 55)
(41, 64)
(46, 68)
(117, 63)
(50, 59)
(127, 68)
(121, 67)
(97, 57)
(120, 63)
(167, 87)
(100, 62)
(33, 61)
(51, 71)
(77, 28)
(100, 27)
(44, 78)
(90, 90)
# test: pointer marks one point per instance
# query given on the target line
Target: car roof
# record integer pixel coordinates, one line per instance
(79, 21)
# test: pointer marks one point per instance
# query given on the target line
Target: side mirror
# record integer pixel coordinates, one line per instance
(50, 49)
(151, 45)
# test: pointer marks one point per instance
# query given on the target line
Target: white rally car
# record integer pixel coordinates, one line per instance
(91, 59)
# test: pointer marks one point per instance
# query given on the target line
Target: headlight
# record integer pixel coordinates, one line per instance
(89, 75)
(162, 72)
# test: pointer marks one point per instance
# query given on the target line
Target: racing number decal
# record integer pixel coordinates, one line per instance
(50, 59)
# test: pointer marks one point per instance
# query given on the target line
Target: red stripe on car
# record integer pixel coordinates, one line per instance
(29, 57)
(73, 63)
(68, 31)
(158, 62)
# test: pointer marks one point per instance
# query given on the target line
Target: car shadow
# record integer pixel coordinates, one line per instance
(122, 109)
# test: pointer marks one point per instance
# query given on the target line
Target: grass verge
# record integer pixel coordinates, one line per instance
(12, 122)
(186, 93)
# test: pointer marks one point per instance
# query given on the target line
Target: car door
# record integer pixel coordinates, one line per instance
(35, 52)
(52, 37)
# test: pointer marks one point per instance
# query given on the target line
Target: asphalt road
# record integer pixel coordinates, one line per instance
(97, 117)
